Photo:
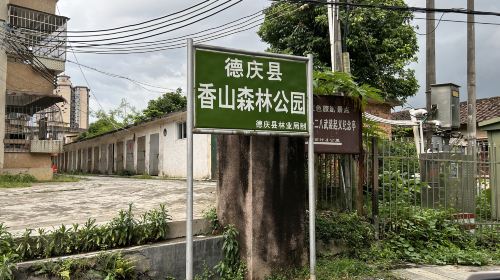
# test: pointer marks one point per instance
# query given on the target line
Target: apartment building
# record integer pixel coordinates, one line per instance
(32, 54)
(75, 110)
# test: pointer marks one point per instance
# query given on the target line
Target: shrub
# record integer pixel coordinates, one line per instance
(123, 230)
(428, 236)
(355, 231)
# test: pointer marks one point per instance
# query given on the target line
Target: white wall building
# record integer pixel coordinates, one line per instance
(157, 147)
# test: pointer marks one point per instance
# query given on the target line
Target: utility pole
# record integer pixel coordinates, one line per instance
(331, 28)
(471, 106)
(471, 76)
(430, 77)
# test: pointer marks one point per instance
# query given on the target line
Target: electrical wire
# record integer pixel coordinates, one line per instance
(158, 28)
(141, 84)
(139, 23)
(252, 24)
(226, 29)
(162, 24)
(179, 38)
(95, 97)
(433, 30)
(399, 8)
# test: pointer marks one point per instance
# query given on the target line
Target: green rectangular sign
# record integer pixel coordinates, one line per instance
(250, 93)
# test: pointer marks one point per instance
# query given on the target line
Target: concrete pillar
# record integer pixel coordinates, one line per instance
(262, 191)
(3, 83)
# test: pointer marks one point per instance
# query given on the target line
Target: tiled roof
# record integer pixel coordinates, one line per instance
(487, 108)
(401, 115)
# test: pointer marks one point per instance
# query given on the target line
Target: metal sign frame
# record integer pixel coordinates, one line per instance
(191, 48)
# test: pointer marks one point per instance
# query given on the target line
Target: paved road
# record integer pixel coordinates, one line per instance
(448, 272)
(53, 204)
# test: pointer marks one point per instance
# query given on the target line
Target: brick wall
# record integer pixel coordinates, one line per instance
(382, 110)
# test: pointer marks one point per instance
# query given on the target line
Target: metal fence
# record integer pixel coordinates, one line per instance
(463, 180)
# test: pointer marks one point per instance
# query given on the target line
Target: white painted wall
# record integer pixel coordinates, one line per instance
(172, 158)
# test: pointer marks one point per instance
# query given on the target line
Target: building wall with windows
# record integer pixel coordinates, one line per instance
(157, 148)
(33, 54)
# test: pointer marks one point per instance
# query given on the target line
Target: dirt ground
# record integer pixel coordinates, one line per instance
(52, 204)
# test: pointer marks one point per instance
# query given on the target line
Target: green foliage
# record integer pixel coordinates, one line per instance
(231, 267)
(399, 192)
(103, 267)
(332, 83)
(7, 266)
(63, 178)
(167, 103)
(350, 228)
(211, 216)
(402, 132)
(125, 114)
(428, 236)
(335, 268)
(483, 204)
(381, 43)
(105, 122)
(16, 181)
(123, 230)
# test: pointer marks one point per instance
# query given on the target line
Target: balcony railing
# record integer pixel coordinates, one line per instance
(33, 146)
(41, 34)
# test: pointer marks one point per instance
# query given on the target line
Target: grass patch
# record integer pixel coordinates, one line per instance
(63, 178)
(16, 181)
(8, 181)
(337, 268)
(143, 177)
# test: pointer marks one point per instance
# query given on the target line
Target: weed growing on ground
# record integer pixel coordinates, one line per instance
(335, 268)
(428, 236)
(103, 267)
(63, 178)
(211, 216)
(16, 181)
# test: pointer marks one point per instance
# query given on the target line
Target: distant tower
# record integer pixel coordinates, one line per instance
(64, 89)
(75, 110)
(80, 108)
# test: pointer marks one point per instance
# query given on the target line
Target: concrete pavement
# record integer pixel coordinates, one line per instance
(448, 272)
(52, 204)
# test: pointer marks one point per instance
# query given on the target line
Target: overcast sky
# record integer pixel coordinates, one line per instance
(168, 68)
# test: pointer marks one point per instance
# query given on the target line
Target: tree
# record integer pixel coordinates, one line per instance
(125, 114)
(105, 122)
(381, 43)
(167, 103)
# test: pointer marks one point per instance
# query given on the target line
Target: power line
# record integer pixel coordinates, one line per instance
(179, 38)
(137, 24)
(162, 46)
(92, 93)
(158, 28)
(463, 21)
(201, 38)
(433, 30)
(401, 8)
(141, 84)
(162, 24)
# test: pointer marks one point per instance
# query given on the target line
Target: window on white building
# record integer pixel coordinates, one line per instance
(181, 131)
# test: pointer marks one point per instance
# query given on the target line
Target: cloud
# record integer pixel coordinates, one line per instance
(168, 68)
(451, 50)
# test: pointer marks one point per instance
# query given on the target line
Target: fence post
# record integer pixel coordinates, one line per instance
(375, 186)
(361, 181)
